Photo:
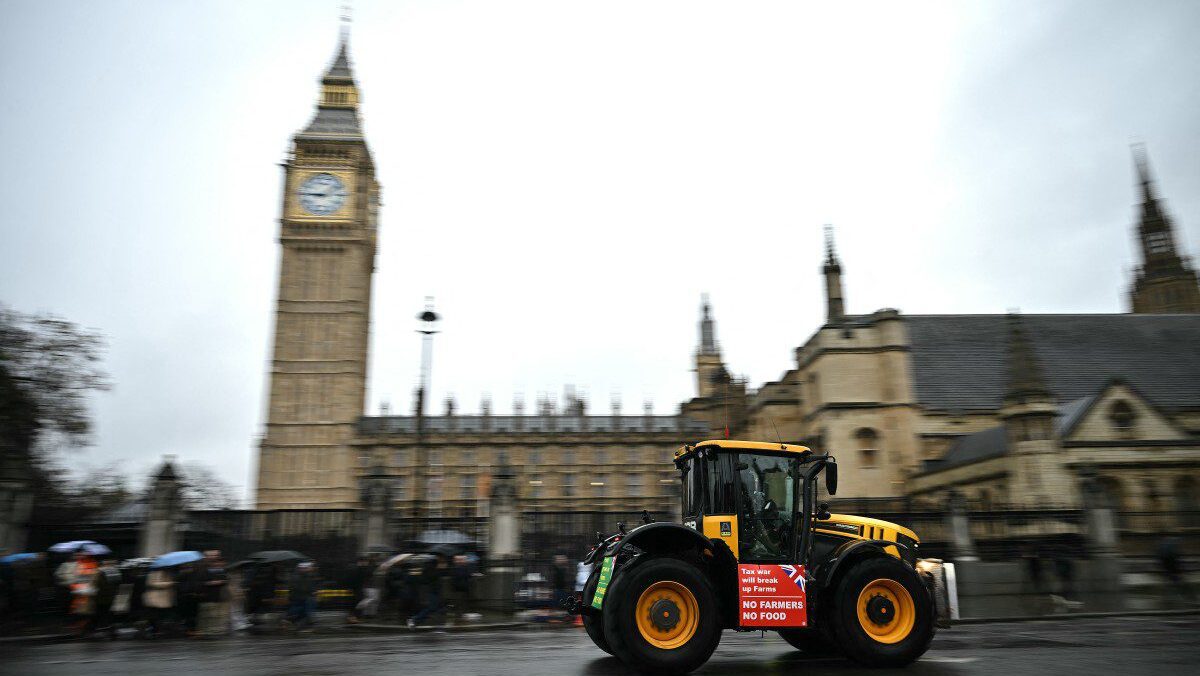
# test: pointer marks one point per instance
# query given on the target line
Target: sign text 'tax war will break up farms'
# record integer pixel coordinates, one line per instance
(771, 595)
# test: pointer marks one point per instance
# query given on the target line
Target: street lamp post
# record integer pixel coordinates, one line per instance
(427, 327)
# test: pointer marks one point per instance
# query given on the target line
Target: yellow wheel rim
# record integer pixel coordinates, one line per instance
(886, 611)
(667, 615)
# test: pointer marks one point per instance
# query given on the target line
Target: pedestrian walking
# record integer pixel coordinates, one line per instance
(582, 572)
(213, 615)
(262, 582)
(301, 601)
(398, 586)
(560, 581)
(430, 585)
(461, 573)
(83, 592)
(107, 581)
(159, 600)
(360, 577)
(188, 593)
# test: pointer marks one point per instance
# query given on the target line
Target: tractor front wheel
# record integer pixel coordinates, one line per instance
(882, 614)
(661, 617)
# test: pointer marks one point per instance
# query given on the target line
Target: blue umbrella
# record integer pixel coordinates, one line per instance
(76, 545)
(95, 549)
(175, 558)
(14, 558)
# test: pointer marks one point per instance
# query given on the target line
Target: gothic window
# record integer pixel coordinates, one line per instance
(867, 440)
(434, 456)
(535, 486)
(568, 457)
(568, 485)
(467, 458)
(435, 489)
(535, 458)
(398, 488)
(468, 486)
(1123, 417)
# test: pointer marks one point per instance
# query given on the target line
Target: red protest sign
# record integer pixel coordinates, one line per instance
(771, 595)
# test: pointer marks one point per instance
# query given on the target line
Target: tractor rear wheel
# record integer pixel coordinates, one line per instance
(593, 623)
(881, 613)
(810, 641)
(661, 617)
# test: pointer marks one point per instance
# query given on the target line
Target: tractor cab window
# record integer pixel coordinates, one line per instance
(720, 485)
(767, 509)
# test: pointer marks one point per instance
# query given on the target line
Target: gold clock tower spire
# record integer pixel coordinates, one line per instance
(317, 380)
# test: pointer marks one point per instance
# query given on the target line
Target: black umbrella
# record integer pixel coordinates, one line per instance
(276, 556)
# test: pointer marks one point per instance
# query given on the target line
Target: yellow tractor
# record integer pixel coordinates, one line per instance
(755, 552)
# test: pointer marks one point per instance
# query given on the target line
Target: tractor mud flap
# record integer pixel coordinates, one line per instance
(939, 579)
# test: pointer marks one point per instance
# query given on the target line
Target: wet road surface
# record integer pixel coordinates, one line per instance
(1136, 645)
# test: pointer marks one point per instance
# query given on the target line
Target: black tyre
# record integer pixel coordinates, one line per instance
(881, 613)
(661, 617)
(593, 623)
(810, 641)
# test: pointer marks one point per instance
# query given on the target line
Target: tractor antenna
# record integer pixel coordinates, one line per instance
(777, 437)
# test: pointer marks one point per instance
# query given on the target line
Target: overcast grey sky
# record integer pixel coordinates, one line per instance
(567, 178)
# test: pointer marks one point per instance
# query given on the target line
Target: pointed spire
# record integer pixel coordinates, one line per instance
(708, 339)
(835, 305)
(1141, 163)
(1025, 380)
(1155, 229)
(339, 69)
(337, 109)
(831, 259)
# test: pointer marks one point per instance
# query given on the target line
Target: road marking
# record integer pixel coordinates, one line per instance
(949, 660)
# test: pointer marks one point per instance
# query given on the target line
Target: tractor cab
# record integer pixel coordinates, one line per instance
(755, 497)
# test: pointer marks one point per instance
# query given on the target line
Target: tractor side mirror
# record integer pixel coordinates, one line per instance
(831, 477)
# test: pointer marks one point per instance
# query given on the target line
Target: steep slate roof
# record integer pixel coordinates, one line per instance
(984, 445)
(959, 362)
(993, 442)
(339, 121)
(340, 68)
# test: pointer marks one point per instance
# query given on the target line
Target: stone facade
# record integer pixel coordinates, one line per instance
(560, 461)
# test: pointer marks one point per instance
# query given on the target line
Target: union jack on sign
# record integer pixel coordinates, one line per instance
(795, 574)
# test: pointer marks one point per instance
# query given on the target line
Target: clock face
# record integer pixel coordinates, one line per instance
(322, 194)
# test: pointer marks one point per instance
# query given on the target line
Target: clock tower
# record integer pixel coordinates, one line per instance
(318, 369)
(1165, 283)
